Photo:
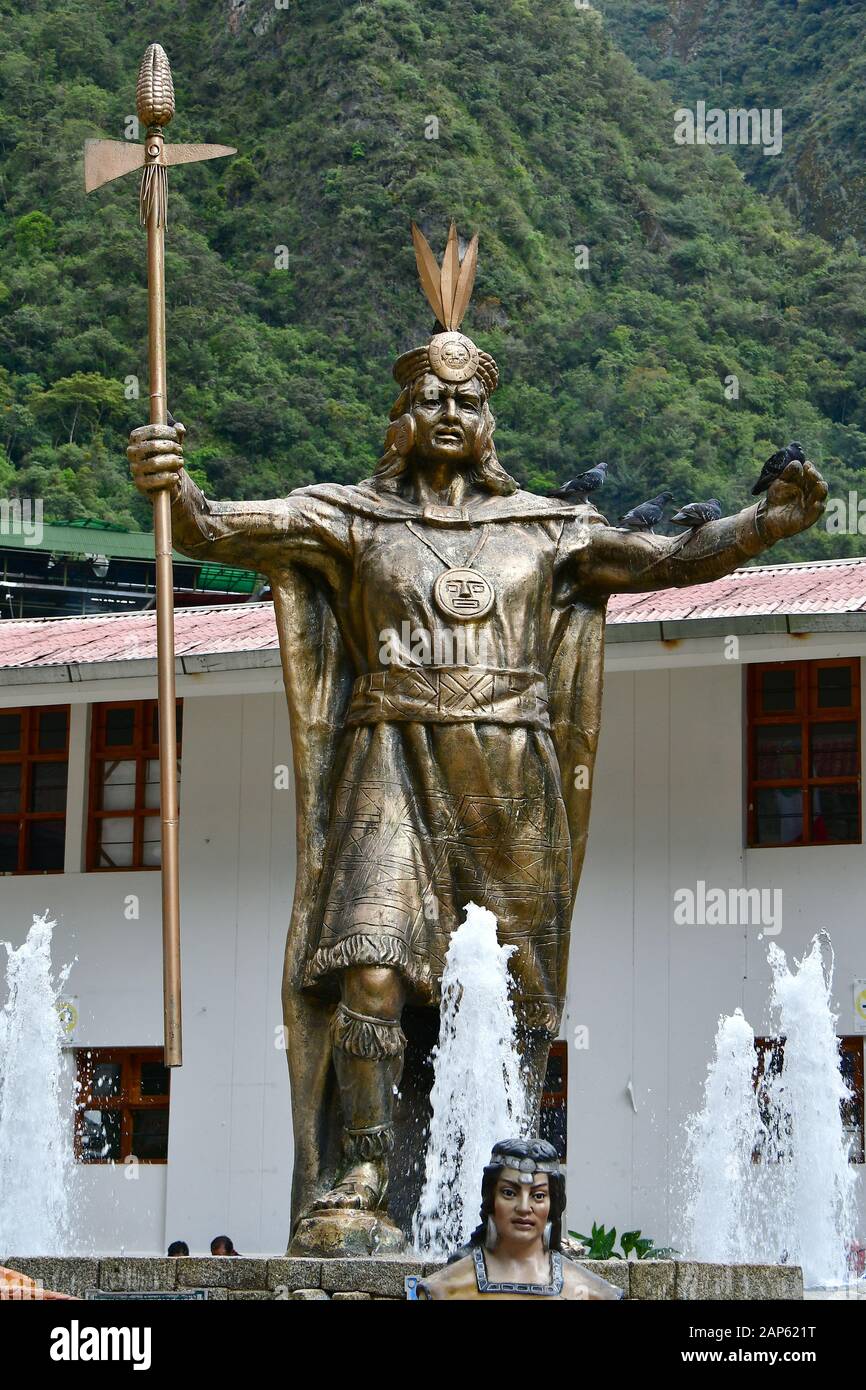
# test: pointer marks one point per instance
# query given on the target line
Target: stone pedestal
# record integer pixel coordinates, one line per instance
(349, 1280)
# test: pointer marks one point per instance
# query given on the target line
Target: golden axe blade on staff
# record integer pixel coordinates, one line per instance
(105, 160)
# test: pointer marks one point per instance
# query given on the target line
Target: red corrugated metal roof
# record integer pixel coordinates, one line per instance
(818, 586)
(240, 627)
(821, 586)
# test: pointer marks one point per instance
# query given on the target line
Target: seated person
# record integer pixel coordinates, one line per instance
(516, 1252)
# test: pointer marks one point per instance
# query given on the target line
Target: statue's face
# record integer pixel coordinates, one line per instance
(449, 419)
(521, 1209)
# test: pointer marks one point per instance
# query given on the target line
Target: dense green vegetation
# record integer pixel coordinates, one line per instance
(805, 57)
(548, 140)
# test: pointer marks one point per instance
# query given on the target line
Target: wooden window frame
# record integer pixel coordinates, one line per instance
(805, 716)
(143, 749)
(27, 755)
(127, 1102)
(850, 1044)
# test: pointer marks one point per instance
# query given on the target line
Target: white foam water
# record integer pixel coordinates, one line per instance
(37, 1165)
(720, 1141)
(478, 1095)
(796, 1203)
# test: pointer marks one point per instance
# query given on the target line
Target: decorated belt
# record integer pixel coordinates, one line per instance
(450, 695)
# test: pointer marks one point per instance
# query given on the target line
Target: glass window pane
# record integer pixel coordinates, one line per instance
(834, 687)
(151, 784)
(52, 730)
(100, 1136)
(554, 1078)
(778, 751)
(117, 830)
(10, 732)
(118, 786)
(154, 1079)
(48, 787)
(151, 850)
(10, 787)
(8, 849)
(120, 727)
(105, 1079)
(150, 1134)
(115, 857)
(778, 691)
(835, 813)
(116, 841)
(45, 845)
(779, 818)
(833, 750)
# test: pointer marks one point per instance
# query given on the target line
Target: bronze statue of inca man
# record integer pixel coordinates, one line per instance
(441, 634)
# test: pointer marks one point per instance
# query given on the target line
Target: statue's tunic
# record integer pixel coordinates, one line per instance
(446, 786)
(467, 1278)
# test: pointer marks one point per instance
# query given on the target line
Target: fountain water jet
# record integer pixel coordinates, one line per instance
(720, 1140)
(478, 1095)
(796, 1203)
(37, 1165)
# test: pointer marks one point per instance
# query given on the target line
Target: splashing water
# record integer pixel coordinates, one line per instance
(797, 1203)
(810, 1089)
(36, 1158)
(478, 1095)
(720, 1140)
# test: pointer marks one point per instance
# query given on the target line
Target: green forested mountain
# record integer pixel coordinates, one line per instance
(548, 140)
(804, 57)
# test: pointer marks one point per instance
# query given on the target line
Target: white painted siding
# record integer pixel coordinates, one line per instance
(668, 809)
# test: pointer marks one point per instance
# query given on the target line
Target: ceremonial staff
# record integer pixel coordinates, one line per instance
(105, 160)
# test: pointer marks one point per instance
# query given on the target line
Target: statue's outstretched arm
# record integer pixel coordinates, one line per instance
(252, 535)
(617, 561)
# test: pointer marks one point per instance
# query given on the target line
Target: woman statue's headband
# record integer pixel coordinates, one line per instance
(450, 355)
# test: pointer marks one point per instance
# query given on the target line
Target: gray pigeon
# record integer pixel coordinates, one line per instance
(648, 514)
(776, 465)
(584, 483)
(696, 514)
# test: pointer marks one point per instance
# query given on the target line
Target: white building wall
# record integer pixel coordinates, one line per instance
(668, 809)
(230, 1141)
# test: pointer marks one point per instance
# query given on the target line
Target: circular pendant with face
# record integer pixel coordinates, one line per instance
(463, 594)
(453, 356)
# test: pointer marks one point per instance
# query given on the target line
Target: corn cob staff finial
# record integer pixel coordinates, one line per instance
(105, 160)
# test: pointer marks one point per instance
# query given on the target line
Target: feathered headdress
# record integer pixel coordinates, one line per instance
(449, 353)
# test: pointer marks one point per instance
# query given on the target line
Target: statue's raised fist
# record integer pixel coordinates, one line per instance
(155, 456)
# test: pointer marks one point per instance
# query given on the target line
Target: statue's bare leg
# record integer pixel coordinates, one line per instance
(368, 1046)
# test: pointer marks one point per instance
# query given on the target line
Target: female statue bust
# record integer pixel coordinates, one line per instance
(516, 1251)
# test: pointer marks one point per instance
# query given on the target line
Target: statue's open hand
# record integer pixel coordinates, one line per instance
(794, 501)
(155, 456)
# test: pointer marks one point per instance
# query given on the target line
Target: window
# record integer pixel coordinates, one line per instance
(122, 1106)
(804, 753)
(123, 825)
(771, 1059)
(34, 756)
(554, 1109)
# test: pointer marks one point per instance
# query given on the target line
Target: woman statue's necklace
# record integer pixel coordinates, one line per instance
(461, 592)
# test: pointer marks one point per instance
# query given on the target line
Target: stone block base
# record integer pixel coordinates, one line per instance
(352, 1280)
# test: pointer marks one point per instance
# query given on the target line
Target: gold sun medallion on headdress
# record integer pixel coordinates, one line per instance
(453, 356)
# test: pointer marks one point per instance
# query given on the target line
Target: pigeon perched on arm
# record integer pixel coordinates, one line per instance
(648, 514)
(776, 465)
(584, 483)
(696, 514)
